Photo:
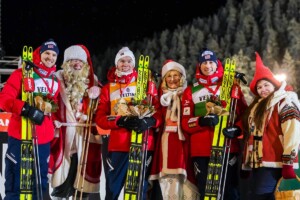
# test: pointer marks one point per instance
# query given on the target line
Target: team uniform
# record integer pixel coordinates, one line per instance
(45, 84)
(194, 106)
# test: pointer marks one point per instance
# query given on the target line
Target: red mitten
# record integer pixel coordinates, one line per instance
(288, 172)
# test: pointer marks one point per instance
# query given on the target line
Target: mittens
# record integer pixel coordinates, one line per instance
(208, 120)
(288, 172)
(232, 132)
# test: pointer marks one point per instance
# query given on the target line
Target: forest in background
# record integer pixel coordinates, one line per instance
(237, 30)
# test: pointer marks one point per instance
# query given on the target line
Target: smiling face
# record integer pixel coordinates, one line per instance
(173, 78)
(264, 88)
(208, 68)
(49, 58)
(125, 64)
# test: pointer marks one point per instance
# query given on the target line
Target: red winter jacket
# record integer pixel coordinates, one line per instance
(201, 137)
(11, 101)
(120, 137)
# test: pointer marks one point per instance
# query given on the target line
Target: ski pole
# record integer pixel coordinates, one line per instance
(235, 95)
(37, 163)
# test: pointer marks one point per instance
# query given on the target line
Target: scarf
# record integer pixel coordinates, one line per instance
(254, 152)
(171, 99)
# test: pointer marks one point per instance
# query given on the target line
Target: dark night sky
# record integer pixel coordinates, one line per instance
(94, 23)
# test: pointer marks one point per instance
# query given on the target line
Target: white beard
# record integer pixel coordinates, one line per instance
(76, 82)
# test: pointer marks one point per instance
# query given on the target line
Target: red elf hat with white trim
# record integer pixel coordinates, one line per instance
(262, 72)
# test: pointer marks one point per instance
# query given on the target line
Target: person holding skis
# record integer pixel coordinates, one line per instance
(199, 123)
(171, 162)
(77, 145)
(112, 113)
(272, 124)
(45, 91)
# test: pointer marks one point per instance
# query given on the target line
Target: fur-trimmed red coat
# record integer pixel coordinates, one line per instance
(69, 139)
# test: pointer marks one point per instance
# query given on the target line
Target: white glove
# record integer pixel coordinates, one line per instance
(81, 117)
(57, 124)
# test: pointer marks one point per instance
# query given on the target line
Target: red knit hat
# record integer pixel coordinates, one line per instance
(262, 72)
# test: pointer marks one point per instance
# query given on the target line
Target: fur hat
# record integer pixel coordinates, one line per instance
(49, 45)
(123, 52)
(172, 65)
(75, 52)
(80, 52)
(262, 72)
(206, 55)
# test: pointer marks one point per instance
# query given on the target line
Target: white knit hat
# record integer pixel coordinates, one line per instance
(172, 65)
(123, 52)
(75, 52)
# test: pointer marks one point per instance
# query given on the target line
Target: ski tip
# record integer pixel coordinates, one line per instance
(142, 57)
(141, 60)
(24, 52)
(227, 64)
(233, 62)
(146, 62)
(30, 53)
(227, 60)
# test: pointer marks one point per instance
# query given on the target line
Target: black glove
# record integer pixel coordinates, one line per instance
(128, 122)
(144, 124)
(232, 132)
(34, 114)
(208, 120)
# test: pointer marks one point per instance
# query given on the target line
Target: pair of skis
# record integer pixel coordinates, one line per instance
(145, 89)
(29, 146)
(217, 167)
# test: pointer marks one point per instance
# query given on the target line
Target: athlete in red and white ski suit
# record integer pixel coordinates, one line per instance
(209, 75)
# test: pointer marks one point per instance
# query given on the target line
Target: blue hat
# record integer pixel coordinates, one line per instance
(206, 55)
(49, 45)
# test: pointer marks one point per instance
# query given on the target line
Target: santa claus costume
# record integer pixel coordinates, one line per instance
(75, 163)
(171, 162)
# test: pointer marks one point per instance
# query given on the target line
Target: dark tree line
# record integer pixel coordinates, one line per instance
(270, 27)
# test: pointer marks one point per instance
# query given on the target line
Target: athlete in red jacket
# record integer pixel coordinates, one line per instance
(45, 84)
(110, 115)
(200, 126)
